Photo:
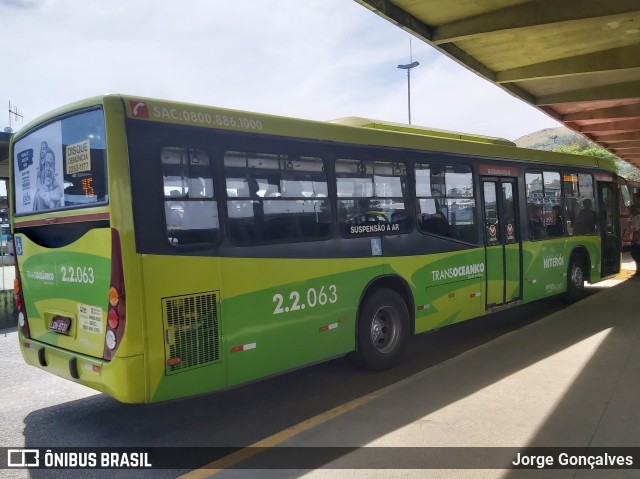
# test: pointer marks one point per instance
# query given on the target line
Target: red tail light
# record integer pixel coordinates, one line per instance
(23, 322)
(113, 318)
(116, 304)
(19, 304)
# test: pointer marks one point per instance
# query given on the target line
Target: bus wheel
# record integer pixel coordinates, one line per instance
(383, 326)
(575, 279)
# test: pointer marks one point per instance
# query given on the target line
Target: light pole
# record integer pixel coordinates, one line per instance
(408, 67)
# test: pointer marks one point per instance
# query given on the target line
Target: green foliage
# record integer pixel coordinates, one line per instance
(582, 148)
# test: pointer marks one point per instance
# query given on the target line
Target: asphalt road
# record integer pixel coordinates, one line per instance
(39, 409)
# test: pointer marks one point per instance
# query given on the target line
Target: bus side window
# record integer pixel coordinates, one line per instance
(580, 207)
(191, 212)
(445, 201)
(372, 197)
(275, 198)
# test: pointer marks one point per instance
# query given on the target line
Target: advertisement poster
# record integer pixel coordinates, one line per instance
(38, 167)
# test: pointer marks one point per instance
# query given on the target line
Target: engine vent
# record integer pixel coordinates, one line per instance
(191, 331)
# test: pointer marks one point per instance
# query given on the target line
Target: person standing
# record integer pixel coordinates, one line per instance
(634, 220)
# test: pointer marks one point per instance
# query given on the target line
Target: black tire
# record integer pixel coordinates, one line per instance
(576, 276)
(383, 328)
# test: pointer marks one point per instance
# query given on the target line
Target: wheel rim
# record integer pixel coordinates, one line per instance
(577, 277)
(385, 329)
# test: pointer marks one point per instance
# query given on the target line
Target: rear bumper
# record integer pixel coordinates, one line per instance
(122, 378)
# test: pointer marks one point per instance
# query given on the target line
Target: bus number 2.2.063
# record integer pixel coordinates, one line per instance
(299, 301)
(77, 274)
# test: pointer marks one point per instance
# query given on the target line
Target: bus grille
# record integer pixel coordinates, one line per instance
(191, 335)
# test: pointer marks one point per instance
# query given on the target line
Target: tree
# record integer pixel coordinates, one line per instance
(581, 148)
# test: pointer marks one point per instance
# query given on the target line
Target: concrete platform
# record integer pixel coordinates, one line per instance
(570, 380)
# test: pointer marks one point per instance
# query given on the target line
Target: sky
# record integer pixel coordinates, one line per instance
(312, 59)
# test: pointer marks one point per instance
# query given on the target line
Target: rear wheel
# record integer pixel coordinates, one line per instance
(383, 327)
(576, 276)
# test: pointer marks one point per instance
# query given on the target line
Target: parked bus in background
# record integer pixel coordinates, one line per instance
(166, 249)
(6, 240)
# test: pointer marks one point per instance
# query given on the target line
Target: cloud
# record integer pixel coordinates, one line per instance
(20, 3)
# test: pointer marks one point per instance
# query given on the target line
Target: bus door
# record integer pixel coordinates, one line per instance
(609, 222)
(503, 259)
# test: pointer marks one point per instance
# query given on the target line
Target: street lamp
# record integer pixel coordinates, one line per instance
(408, 67)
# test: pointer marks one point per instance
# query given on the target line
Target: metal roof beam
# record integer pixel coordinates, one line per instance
(621, 112)
(399, 17)
(621, 146)
(526, 15)
(608, 60)
(619, 137)
(606, 92)
(620, 150)
(396, 15)
(614, 125)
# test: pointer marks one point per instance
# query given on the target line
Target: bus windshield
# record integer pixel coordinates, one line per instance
(61, 165)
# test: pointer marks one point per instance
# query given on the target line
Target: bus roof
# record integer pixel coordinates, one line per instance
(353, 130)
(419, 130)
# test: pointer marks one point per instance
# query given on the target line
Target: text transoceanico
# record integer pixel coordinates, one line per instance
(467, 271)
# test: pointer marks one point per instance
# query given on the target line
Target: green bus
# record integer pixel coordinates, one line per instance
(165, 250)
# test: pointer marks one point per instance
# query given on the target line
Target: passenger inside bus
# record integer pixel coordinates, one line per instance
(435, 222)
(572, 214)
(586, 218)
(535, 222)
(556, 229)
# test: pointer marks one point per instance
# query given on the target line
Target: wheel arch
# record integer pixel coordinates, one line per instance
(583, 254)
(395, 283)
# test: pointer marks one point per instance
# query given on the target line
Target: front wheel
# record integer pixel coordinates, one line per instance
(576, 276)
(383, 327)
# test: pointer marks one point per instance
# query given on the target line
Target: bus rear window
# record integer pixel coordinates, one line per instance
(61, 165)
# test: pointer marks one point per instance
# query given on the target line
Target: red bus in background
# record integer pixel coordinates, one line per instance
(627, 190)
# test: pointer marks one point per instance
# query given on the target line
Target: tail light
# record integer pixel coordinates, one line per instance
(116, 306)
(23, 323)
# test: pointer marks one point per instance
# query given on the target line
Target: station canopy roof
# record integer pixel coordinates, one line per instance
(576, 60)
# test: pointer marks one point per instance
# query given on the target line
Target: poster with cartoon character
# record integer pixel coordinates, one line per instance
(38, 168)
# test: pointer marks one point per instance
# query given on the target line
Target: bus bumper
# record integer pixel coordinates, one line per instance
(120, 378)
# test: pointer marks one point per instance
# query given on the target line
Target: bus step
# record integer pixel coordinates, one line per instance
(493, 308)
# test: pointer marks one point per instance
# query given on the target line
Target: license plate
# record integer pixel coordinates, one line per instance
(60, 324)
